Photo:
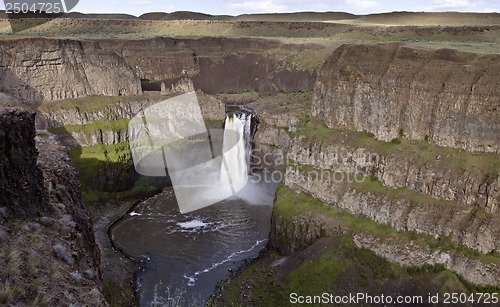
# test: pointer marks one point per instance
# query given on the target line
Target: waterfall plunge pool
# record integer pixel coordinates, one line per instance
(184, 256)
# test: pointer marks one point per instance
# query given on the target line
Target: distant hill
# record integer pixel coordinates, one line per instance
(432, 18)
(99, 16)
(182, 15)
(299, 16)
(393, 18)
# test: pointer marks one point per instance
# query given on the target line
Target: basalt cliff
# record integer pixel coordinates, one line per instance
(43, 69)
(49, 254)
(446, 97)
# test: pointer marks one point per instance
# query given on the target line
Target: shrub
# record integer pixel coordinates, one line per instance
(63, 253)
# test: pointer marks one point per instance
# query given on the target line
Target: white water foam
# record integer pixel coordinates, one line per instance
(192, 279)
(192, 224)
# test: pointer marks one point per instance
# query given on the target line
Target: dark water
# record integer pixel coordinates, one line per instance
(185, 255)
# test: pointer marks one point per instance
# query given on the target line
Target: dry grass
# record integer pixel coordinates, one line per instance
(471, 32)
(31, 274)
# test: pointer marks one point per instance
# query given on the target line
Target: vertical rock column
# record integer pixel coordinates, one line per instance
(21, 181)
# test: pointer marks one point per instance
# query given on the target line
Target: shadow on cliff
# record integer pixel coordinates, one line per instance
(107, 173)
(16, 93)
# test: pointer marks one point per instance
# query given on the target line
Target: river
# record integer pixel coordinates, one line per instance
(185, 256)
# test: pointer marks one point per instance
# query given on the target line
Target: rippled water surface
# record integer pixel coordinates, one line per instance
(189, 254)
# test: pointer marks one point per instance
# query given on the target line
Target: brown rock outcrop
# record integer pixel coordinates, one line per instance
(51, 69)
(444, 96)
(472, 188)
(47, 234)
(462, 224)
(474, 270)
(21, 181)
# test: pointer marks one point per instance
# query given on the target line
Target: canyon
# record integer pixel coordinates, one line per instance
(388, 151)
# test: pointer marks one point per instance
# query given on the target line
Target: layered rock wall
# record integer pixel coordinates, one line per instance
(473, 188)
(52, 69)
(444, 96)
(94, 124)
(474, 270)
(215, 64)
(462, 224)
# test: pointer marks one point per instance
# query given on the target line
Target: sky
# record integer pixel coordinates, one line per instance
(237, 7)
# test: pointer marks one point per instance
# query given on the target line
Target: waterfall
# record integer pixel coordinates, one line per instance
(236, 149)
(248, 134)
(236, 171)
(205, 167)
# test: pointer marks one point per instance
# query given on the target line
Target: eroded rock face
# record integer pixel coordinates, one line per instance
(215, 64)
(462, 224)
(50, 69)
(472, 188)
(61, 181)
(211, 108)
(76, 116)
(44, 226)
(474, 270)
(445, 96)
(181, 86)
(155, 59)
(21, 181)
